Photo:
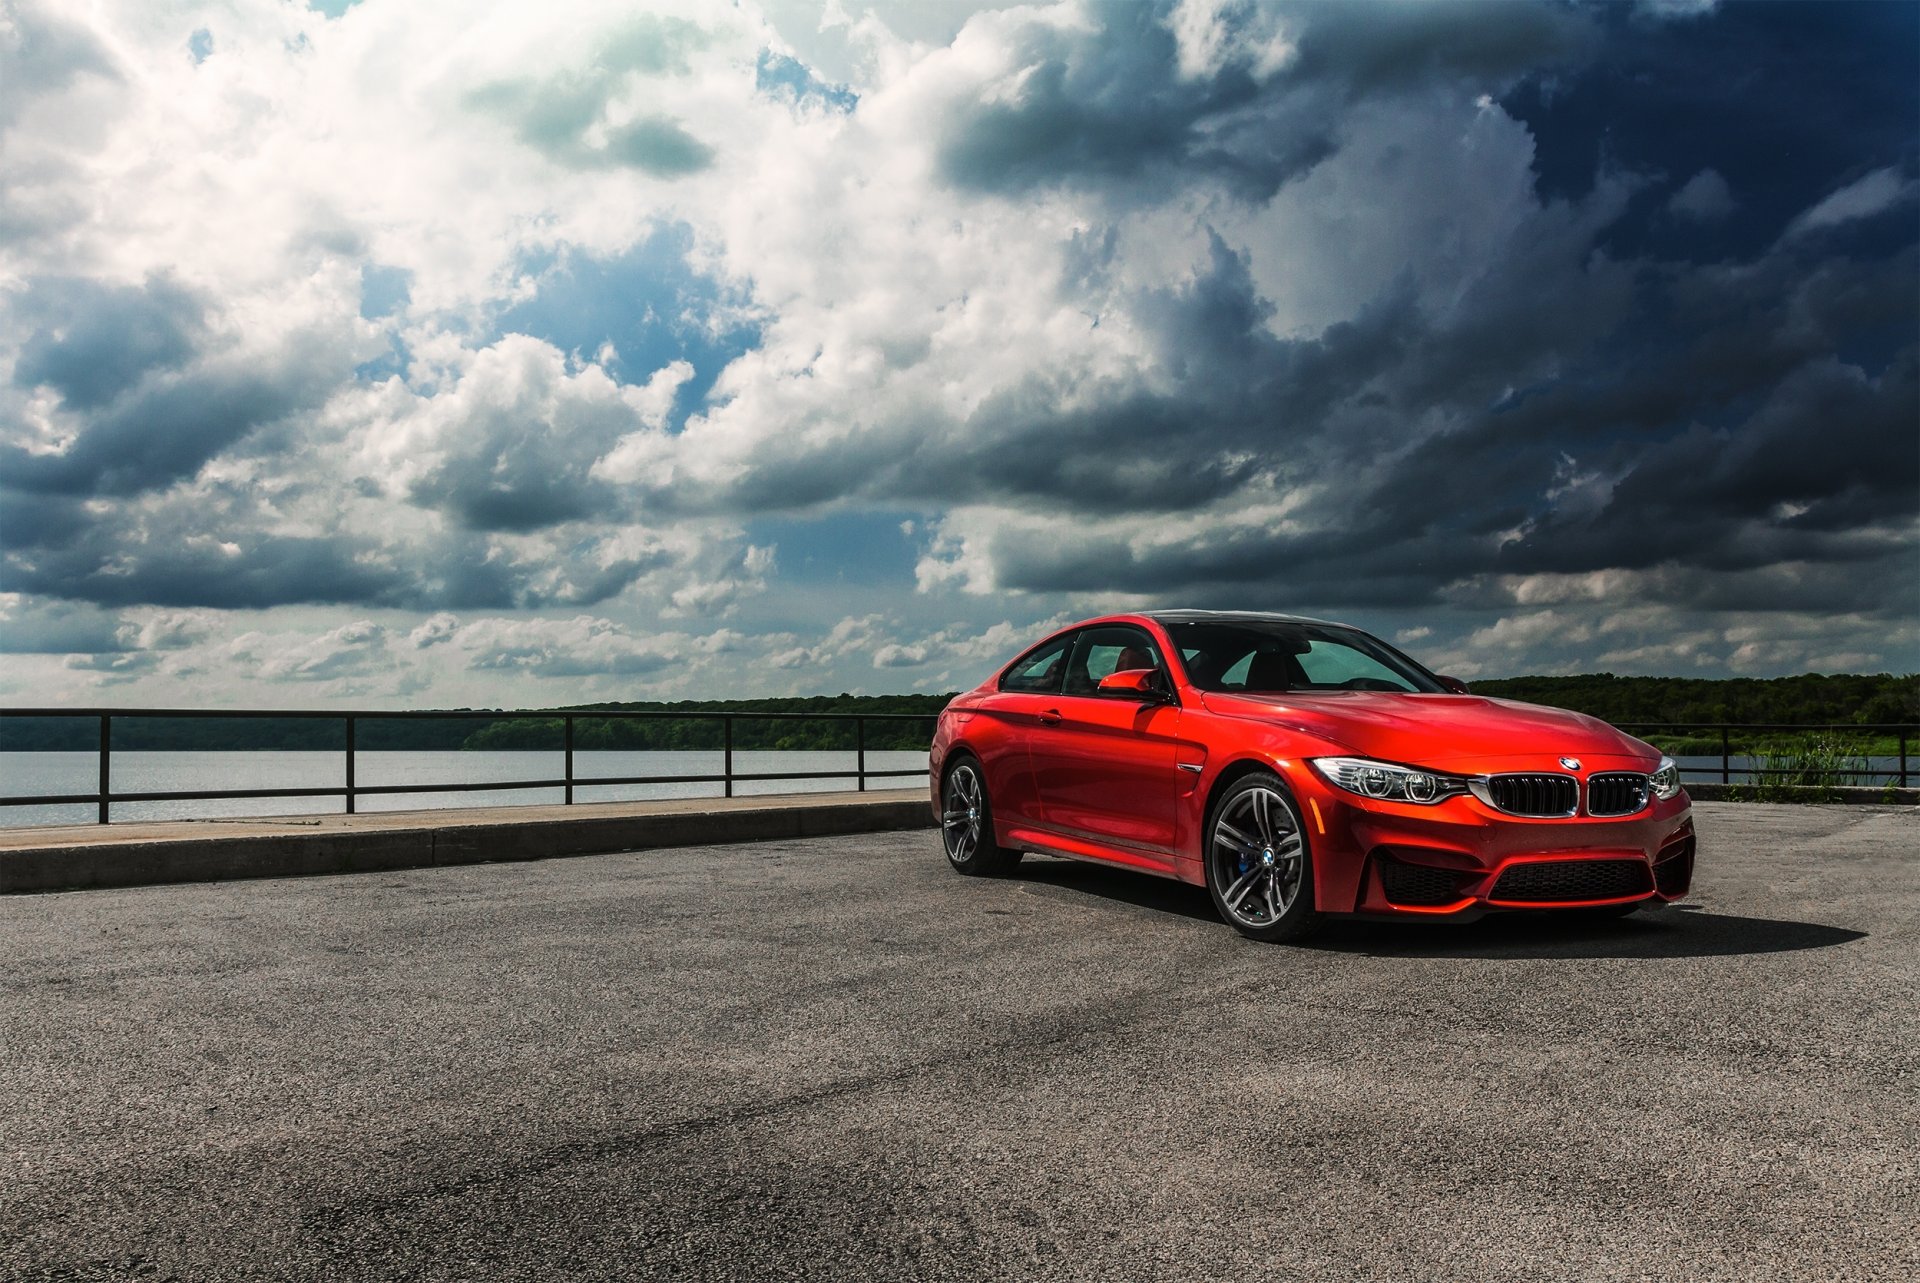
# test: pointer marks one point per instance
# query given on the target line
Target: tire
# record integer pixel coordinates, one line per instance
(966, 823)
(1259, 865)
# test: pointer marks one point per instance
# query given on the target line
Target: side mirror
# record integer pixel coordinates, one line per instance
(1454, 684)
(1135, 683)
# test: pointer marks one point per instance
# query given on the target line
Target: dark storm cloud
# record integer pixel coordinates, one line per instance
(29, 521)
(1829, 453)
(150, 394)
(113, 566)
(1750, 443)
(267, 570)
(1110, 106)
(1450, 41)
(213, 546)
(518, 497)
(165, 432)
(1107, 106)
(91, 342)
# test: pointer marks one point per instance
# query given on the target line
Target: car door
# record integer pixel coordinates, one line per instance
(1103, 764)
(1028, 690)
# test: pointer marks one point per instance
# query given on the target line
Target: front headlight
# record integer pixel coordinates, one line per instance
(1387, 782)
(1665, 779)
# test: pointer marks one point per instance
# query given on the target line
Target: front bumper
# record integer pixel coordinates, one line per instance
(1462, 858)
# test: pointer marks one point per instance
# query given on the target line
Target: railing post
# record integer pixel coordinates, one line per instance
(106, 758)
(1903, 759)
(567, 719)
(726, 722)
(352, 801)
(860, 756)
(1726, 757)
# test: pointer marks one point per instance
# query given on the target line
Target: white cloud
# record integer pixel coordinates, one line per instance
(1675, 10)
(435, 630)
(1872, 194)
(1704, 197)
(349, 650)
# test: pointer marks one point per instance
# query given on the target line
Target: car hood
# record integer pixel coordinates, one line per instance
(1446, 732)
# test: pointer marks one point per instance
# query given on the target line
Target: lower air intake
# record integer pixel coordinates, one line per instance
(1555, 881)
(1673, 872)
(1415, 885)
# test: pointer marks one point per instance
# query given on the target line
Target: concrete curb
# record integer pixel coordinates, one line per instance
(184, 851)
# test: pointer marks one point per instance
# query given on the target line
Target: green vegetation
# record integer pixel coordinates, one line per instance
(1812, 769)
(258, 734)
(1808, 700)
(782, 733)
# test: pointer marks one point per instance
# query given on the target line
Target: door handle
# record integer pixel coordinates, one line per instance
(1049, 717)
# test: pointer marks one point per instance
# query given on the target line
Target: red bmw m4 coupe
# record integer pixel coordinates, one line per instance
(1298, 770)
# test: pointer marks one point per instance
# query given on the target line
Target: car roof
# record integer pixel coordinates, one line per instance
(1235, 617)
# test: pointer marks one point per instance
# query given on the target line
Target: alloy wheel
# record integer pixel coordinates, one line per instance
(1258, 856)
(960, 814)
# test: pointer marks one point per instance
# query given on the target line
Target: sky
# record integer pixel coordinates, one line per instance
(435, 353)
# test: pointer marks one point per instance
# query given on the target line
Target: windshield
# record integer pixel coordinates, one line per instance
(1274, 657)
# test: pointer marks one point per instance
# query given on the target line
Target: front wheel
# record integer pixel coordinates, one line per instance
(1259, 868)
(966, 824)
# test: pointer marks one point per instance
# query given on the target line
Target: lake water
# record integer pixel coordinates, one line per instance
(34, 774)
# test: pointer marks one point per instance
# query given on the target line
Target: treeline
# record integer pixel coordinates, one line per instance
(229, 734)
(688, 733)
(1807, 700)
(377, 734)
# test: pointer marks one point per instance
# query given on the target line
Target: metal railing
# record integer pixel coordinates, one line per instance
(1903, 734)
(105, 796)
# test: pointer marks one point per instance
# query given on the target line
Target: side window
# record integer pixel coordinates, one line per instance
(1039, 672)
(1102, 652)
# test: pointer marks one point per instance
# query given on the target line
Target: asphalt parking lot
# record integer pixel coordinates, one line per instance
(833, 1059)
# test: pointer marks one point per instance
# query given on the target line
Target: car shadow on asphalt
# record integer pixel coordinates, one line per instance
(1075, 879)
(1676, 931)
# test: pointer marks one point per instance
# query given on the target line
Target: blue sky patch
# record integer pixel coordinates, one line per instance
(843, 547)
(779, 76)
(647, 303)
(383, 290)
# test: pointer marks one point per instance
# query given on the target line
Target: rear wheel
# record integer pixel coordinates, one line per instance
(966, 823)
(1259, 869)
